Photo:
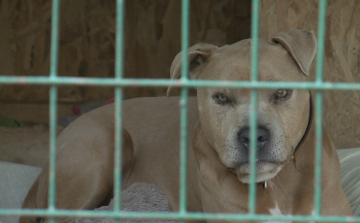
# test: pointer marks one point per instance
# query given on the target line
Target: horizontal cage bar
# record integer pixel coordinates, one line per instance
(175, 215)
(132, 82)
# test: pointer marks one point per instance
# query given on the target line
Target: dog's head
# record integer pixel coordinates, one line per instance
(283, 114)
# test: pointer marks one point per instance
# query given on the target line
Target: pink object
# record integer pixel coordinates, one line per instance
(108, 101)
(76, 110)
(84, 108)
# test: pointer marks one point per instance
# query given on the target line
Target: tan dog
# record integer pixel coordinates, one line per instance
(218, 163)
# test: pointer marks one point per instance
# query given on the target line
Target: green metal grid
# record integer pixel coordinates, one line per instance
(54, 81)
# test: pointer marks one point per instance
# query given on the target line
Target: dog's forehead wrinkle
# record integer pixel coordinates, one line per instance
(233, 63)
(243, 47)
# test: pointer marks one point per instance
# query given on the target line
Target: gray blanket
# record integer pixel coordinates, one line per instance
(138, 197)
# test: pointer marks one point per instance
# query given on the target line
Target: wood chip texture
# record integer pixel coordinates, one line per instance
(342, 56)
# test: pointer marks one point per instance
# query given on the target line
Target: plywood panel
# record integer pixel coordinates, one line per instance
(342, 56)
(87, 40)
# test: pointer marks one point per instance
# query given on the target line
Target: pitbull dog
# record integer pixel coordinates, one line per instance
(218, 129)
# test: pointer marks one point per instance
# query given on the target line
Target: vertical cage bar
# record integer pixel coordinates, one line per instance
(184, 104)
(183, 148)
(54, 48)
(52, 126)
(185, 10)
(321, 40)
(319, 104)
(119, 58)
(254, 103)
(254, 39)
(53, 104)
(318, 151)
(253, 145)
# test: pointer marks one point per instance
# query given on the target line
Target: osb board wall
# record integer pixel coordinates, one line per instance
(87, 40)
(342, 52)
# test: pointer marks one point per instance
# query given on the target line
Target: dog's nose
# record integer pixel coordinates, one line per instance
(263, 137)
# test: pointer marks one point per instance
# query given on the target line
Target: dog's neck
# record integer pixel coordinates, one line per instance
(309, 125)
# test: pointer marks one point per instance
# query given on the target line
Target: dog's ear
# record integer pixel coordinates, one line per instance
(198, 55)
(300, 44)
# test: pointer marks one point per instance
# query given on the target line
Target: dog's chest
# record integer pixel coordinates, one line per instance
(277, 212)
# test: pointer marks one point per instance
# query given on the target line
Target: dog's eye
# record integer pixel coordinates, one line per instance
(282, 94)
(221, 98)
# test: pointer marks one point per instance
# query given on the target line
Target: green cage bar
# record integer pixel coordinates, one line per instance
(254, 103)
(142, 82)
(185, 10)
(319, 106)
(119, 58)
(119, 82)
(175, 215)
(53, 105)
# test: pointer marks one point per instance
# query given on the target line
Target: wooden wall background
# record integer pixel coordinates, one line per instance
(152, 39)
(342, 56)
(87, 40)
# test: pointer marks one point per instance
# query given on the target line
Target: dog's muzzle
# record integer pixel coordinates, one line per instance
(266, 165)
(263, 138)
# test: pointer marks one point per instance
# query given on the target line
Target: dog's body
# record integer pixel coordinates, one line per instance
(218, 129)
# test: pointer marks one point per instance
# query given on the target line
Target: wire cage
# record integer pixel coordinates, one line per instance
(54, 81)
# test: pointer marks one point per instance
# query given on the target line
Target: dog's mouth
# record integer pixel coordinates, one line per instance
(264, 171)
